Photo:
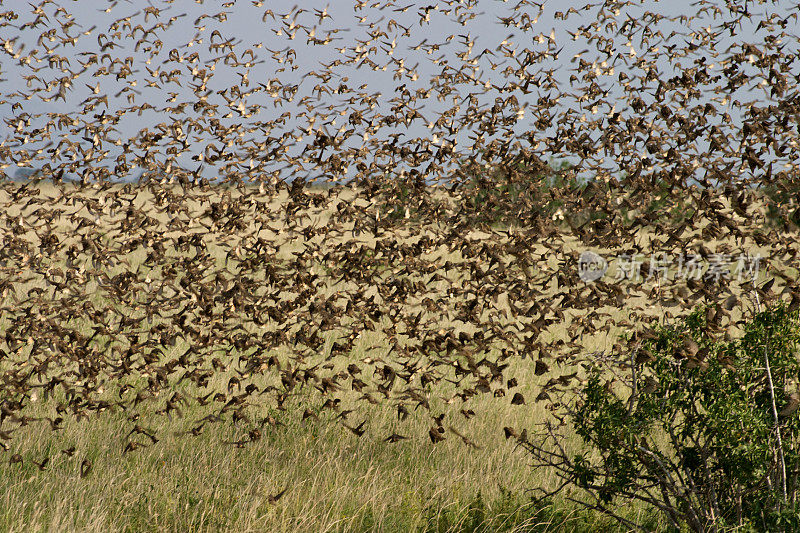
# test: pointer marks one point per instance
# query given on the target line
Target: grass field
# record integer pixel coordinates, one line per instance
(204, 360)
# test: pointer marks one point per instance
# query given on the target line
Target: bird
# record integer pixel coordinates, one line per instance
(224, 268)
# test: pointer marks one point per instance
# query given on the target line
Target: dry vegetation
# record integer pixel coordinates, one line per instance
(259, 354)
(252, 359)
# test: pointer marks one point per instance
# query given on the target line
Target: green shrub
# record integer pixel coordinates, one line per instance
(703, 431)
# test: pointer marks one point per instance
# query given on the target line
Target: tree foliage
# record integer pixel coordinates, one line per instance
(704, 431)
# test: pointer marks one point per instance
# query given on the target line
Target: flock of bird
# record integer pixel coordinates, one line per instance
(650, 95)
(253, 291)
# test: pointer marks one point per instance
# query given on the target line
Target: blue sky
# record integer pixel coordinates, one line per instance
(274, 47)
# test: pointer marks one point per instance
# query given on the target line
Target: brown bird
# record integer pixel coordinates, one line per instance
(436, 434)
(444, 245)
(273, 498)
(394, 437)
(86, 467)
(357, 430)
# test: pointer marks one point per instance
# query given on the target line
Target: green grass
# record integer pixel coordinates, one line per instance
(335, 481)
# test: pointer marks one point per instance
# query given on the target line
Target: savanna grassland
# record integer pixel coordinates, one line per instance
(289, 358)
(516, 195)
